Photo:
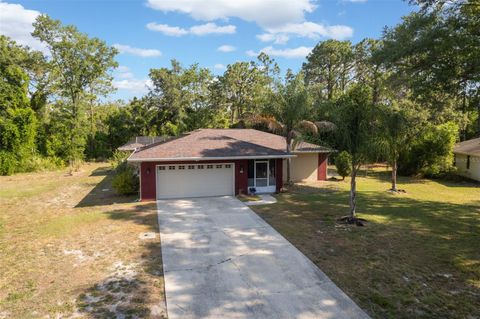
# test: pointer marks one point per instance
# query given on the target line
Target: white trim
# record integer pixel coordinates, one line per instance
(263, 189)
(186, 159)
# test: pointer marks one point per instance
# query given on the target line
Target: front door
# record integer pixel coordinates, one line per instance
(264, 176)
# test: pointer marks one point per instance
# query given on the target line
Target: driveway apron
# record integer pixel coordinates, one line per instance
(221, 260)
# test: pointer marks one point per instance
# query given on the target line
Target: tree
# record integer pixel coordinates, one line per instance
(245, 86)
(398, 130)
(287, 113)
(435, 52)
(356, 121)
(80, 69)
(17, 120)
(329, 67)
(343, 163)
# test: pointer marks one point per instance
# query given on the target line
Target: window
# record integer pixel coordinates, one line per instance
(209, 166)
(181, 167)
(161, 168)
(228, 166)
(200, 166)
(191, 166)
(468, 162)
(454, 159)
(219, 166)
(171, 167)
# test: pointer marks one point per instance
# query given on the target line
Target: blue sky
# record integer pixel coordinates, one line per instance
(213, 33)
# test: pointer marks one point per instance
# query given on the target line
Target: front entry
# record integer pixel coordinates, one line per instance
(261, 176)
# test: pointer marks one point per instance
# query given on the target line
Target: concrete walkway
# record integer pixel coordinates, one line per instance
(221, 260)
(265, 199)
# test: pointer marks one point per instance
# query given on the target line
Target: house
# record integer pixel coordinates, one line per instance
(140, 141)
(467, 158)
(214, 162)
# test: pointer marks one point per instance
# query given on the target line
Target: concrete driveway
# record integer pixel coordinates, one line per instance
(221, 260)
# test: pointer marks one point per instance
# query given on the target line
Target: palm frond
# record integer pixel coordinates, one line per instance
(308, 126)
(270, 122)
(325, 126)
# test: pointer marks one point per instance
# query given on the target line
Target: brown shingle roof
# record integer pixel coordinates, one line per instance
(470, 147)
(221, 143)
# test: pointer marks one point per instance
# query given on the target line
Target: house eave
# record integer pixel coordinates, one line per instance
(197, 159)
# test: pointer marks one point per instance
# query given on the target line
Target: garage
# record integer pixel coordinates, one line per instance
(194, 180)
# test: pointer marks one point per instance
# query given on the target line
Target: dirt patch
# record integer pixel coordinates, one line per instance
(73, 248)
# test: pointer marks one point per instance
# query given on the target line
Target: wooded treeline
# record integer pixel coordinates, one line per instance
(406, 97)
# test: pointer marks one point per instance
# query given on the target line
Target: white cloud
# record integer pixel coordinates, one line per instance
(300, 52)
(139, 86)
(166, 29)
(219, 67)
(212, 28)
(276, 38)
(226, 48)
(201, 29)
(16, 23)
(145, 53)
(280, 35)
(266, 13)
(355, 1)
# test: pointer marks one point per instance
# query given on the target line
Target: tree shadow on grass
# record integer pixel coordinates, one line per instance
(410, 250)
(102, 193)
(134, 289)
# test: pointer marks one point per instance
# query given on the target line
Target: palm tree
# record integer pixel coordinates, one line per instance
(286, 114)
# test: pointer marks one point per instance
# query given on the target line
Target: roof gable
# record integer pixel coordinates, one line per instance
(470, 147)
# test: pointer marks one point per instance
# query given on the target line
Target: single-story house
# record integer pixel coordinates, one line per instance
(214, 162)
(467, 158)
(141, 141)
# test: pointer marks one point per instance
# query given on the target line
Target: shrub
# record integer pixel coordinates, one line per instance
(118, 158)
(37, 163)
(125, 181)
(343, 163)
(8, 163)
(431, 153)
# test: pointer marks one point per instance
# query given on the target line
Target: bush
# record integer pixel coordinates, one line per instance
(343, 163)
(431, 153)
(125, 181)
(8, 163)
(118, 158)
(38, 163)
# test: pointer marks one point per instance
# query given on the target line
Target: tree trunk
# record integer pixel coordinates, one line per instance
(353, 193)
(394, 175)
(289, 160)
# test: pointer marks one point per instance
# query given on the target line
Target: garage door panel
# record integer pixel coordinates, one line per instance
(194, 180)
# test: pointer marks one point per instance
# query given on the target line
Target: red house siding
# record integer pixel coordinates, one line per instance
(148, 186)
(322, 167)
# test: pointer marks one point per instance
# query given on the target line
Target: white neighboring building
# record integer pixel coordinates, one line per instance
(467, 158)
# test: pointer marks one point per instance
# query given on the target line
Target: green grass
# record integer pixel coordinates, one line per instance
(418, 255)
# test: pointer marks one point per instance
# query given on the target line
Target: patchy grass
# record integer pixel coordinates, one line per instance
(70, 247)
(418, 256)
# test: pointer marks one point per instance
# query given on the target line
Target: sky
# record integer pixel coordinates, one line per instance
(212, 33)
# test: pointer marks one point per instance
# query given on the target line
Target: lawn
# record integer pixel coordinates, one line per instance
(417, 257)
(69, 247)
